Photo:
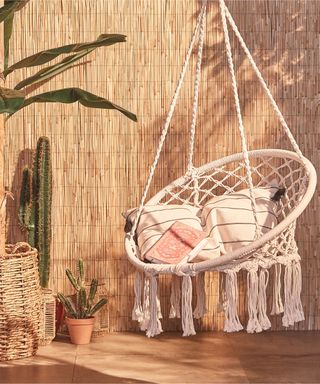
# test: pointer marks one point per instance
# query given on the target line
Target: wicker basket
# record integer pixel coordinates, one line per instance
(20, 302)
(48, 317)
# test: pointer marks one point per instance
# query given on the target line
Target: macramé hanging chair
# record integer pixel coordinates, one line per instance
(276, 248)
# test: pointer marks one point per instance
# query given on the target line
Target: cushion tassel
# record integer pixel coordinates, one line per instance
(175, 297)
(187, 318)
(262, 299)
(277, 305)
(200, 309)
(137, 313)
(232, 322)
(154, 327)
(252, 301)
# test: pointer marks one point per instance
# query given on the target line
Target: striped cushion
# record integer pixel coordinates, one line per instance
(229, 218)
(156, 219)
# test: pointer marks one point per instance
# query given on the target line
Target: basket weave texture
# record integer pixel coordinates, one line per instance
(48, 317)
(20, 302)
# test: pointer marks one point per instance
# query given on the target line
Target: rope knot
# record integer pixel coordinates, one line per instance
(192, 172)
(183, 269)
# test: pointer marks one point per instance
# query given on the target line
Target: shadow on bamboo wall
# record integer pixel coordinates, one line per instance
(101, 160)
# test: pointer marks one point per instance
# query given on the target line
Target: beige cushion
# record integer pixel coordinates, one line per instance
(229, 218)
(156, 219)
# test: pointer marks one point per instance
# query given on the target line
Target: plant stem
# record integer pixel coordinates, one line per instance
(2, 138)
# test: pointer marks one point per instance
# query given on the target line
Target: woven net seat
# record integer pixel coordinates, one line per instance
(249, 169)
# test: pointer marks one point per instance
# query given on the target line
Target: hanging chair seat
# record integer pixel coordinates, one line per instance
(227, 175)
(247, 170)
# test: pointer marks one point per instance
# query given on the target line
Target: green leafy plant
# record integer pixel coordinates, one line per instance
(84, 306)
(12, 100)
(16, 98)
(35, 206)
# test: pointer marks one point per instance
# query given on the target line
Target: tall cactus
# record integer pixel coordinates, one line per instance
(35, 206)
(25, 203)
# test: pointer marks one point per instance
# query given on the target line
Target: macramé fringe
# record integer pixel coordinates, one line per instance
(148, 311)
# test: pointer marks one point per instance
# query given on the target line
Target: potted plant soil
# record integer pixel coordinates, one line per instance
(79, 313)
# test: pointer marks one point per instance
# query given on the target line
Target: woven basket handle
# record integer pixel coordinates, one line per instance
(21, 247)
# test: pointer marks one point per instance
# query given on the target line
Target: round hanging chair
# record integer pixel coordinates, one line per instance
(250, 169)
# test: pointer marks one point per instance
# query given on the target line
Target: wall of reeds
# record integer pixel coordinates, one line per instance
(101, 159)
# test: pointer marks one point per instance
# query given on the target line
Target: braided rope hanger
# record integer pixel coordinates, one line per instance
(199, 31)
(169, 115)
(239, 116)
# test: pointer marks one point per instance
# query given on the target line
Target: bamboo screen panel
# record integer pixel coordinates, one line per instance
(101, 159)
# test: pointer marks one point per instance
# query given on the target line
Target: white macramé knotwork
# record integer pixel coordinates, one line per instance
(275, 251)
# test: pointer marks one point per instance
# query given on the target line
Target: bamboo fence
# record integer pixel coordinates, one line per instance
(101, 159)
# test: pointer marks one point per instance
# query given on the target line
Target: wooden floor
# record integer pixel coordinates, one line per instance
(271, 357)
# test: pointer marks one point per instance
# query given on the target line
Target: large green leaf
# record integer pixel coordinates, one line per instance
(11, 6)
(71, 95)
(7, 15)
(10, 100)
(7, 32)
(53, 70)
(7, 10)
(44, 57)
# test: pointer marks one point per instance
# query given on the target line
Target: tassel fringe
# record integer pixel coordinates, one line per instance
(232, 322)
(154, 327)
(146, 305)
(175, 297)
(277, 306)
(252, 300)
(200, 309)
(187, 318)
(262, 300)
(137, 313)
(293, 311)
(148, 311)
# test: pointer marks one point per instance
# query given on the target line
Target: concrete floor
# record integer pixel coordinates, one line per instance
(271, 357)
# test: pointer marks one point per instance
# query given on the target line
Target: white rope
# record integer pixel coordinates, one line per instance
(239, 115)
(252, 301)
(298, 314)
(277, 306)
(167, 121)
(154, 327)
(186, 315)
(263, 83)
(287, 318)
(137, 313)
(262, 299)
(232, 322)
(293, 311)
(196, 90)
(200, 309)
(146, 305)
(175, 297)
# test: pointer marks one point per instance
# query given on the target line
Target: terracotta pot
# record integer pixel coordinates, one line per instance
(80, 330)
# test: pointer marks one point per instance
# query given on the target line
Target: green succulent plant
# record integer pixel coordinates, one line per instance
(84, 306)
(15, 98)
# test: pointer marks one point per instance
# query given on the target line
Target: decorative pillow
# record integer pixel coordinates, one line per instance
(229, 218)
(157, 219)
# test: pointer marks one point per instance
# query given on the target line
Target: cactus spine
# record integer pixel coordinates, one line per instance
(35, 206)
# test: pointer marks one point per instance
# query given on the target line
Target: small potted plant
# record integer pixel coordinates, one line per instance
(79, 314)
